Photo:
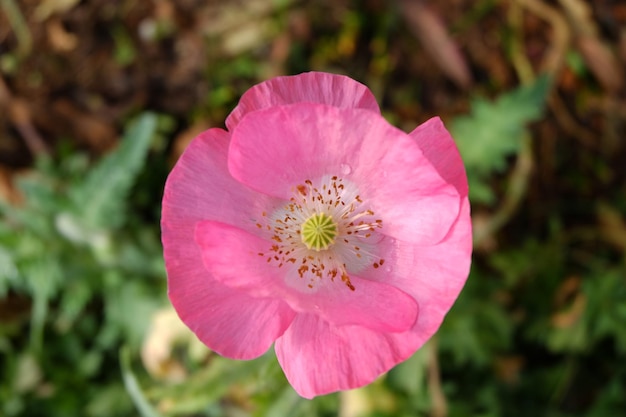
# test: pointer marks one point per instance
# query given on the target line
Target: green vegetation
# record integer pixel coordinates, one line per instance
(85, 324)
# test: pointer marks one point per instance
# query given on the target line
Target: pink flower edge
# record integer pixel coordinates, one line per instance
(309, 87)
(214, 188)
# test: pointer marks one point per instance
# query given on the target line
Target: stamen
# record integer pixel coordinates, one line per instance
(325, 231)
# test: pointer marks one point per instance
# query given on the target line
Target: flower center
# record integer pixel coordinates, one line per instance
(318, 232)
(325, 231)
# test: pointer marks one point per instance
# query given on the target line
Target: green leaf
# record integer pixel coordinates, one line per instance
(101, 198)
(132, 386)
(127, 306)
(494, 131)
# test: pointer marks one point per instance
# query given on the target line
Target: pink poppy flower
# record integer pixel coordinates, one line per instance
(314, 224)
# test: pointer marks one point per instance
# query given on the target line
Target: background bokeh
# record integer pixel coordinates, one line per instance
(99, 97)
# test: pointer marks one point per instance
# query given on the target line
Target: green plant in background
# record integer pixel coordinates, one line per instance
(537, 331)
(494, 131)
(476, 332)
(93, 271)
(81, 273)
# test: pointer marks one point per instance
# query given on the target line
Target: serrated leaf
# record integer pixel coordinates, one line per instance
(493, 131)
(101, 198)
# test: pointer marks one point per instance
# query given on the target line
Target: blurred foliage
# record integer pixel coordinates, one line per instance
(85, 327)
(92, 273)
(493, 132)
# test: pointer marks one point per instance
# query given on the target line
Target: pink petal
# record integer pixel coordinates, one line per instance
(231, 255)
(437, 273)
(319, 358)
(201, 188)
(311, 87)
(439, 148)
(433, 275)
(229, 322)
(274, 150)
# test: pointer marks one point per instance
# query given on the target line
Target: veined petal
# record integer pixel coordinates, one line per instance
(429, 274)
(434, 275)
(439, 148)
(273, 150)
(354, 356)
(230, 322)
(201, 188)
(319, 358)
(231, 255)
(311, 87)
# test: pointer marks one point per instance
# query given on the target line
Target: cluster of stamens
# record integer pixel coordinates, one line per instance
(323, 232)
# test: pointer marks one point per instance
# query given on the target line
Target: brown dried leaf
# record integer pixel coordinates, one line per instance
(435, 39)
(86, 127)
(602, 62)
(597, 55)
(21, 117)
(571, 303)
(569, 317)
(60, 39)
(568, 288)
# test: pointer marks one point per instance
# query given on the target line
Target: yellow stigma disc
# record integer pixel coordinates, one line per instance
(318, 232)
